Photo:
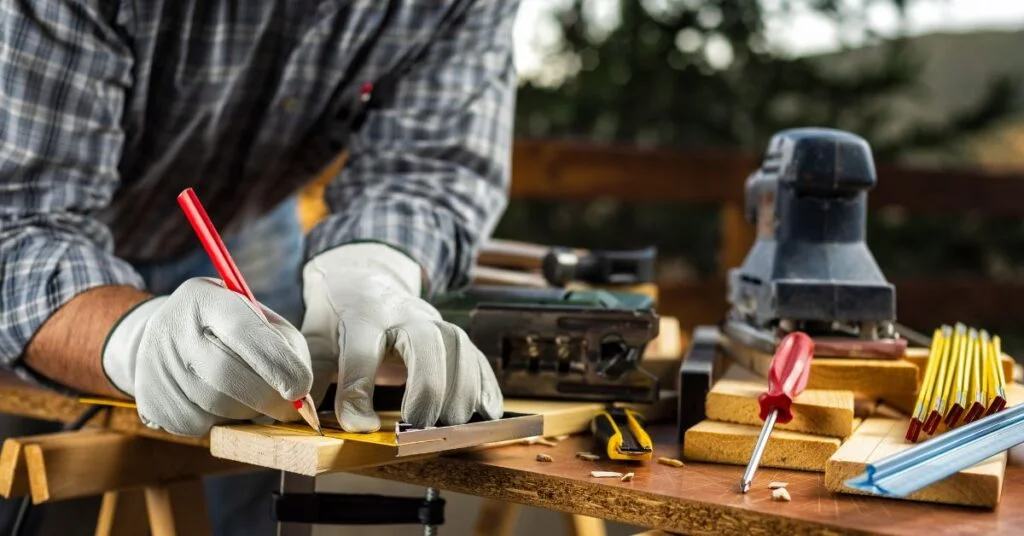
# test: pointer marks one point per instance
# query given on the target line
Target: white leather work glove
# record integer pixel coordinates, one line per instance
(363, 302)
(203, 356)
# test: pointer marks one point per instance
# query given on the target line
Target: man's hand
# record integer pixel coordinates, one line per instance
(203, 355)
(362, 303)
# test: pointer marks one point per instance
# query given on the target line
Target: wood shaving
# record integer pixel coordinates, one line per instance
(560, 437)
(780, 494)
(627, 477)
(536, 441)
(777, 485)
(588, 456)
(544, 458)
(671, 461)
(605, 474)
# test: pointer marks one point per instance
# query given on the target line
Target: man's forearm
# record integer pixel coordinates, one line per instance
(69, 345)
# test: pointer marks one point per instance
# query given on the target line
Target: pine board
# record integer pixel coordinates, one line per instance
(815, 411)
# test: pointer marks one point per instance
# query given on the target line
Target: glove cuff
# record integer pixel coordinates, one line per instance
(121, 348)
(376, 257)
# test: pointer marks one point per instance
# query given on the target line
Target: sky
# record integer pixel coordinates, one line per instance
(804, 33)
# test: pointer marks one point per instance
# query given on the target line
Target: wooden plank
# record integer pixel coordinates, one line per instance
(91, 462)
(279, 447)
(20, 398)
(815, 411)
(877, 438)
(728, 443)
(874, 377)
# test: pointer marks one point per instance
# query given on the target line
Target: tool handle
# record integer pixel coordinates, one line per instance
(788, 375)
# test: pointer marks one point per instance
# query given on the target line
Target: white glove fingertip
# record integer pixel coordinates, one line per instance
(354, 408)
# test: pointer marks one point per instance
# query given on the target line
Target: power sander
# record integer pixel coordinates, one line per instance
(810, 268)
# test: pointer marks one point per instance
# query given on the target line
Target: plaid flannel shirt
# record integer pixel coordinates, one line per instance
(109, 108)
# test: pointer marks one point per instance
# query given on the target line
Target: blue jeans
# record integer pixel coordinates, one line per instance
(269, 255)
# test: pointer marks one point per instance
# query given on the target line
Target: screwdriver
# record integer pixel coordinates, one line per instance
(787, 378)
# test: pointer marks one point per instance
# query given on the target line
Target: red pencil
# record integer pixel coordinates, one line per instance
(232, 277)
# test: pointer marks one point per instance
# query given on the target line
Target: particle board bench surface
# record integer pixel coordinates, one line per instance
(697, 498)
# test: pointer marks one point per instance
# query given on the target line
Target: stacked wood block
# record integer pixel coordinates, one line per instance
(821, 420)
(854, 412)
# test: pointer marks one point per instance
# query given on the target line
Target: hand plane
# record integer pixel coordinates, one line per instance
(561, 344)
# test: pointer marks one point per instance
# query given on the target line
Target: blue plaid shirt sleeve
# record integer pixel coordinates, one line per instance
(428, 172)
(63, 77)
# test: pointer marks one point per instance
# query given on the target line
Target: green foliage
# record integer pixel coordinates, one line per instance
(702, 73)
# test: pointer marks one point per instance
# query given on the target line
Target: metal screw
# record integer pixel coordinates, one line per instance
(431, 530)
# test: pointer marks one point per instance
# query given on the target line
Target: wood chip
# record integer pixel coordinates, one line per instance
(544, 458)
(671, 461)
(605, 474)
(588, 456)
(627, 477)
(560, 437)
(777, 485)
(780, 494)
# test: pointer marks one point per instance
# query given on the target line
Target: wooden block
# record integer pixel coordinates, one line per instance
(815, 411)
(878, 438)
(729, 443)
(664, 354)
(874, 377)
(91, 462)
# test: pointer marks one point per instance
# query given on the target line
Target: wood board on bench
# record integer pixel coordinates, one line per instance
(297, 449)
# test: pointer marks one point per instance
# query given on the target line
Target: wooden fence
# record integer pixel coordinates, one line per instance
(553, 170)
(579, 171)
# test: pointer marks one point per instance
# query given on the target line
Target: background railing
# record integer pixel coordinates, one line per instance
(569, 171)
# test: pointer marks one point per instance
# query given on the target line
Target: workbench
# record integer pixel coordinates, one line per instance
(697, 498)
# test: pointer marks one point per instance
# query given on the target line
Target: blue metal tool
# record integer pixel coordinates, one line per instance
(939, 457)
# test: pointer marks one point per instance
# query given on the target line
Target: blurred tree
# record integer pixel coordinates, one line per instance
(703, 73)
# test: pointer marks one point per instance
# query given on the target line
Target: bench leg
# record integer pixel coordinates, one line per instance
(584, 526)
(178, 509)
(496, 518)
(122, 513)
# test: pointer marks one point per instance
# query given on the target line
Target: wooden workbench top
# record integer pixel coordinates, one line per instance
(697, 498)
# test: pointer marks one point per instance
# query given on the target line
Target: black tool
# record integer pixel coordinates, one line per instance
(810, 268)
(701, 368)
(554, 343)
(562, 266)
(621, 435)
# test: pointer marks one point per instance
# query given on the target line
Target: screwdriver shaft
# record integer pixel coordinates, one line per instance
(755, 457)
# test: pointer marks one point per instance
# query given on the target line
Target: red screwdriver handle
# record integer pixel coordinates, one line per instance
(787, 378)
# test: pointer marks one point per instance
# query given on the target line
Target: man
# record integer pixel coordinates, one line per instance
(108, 109)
